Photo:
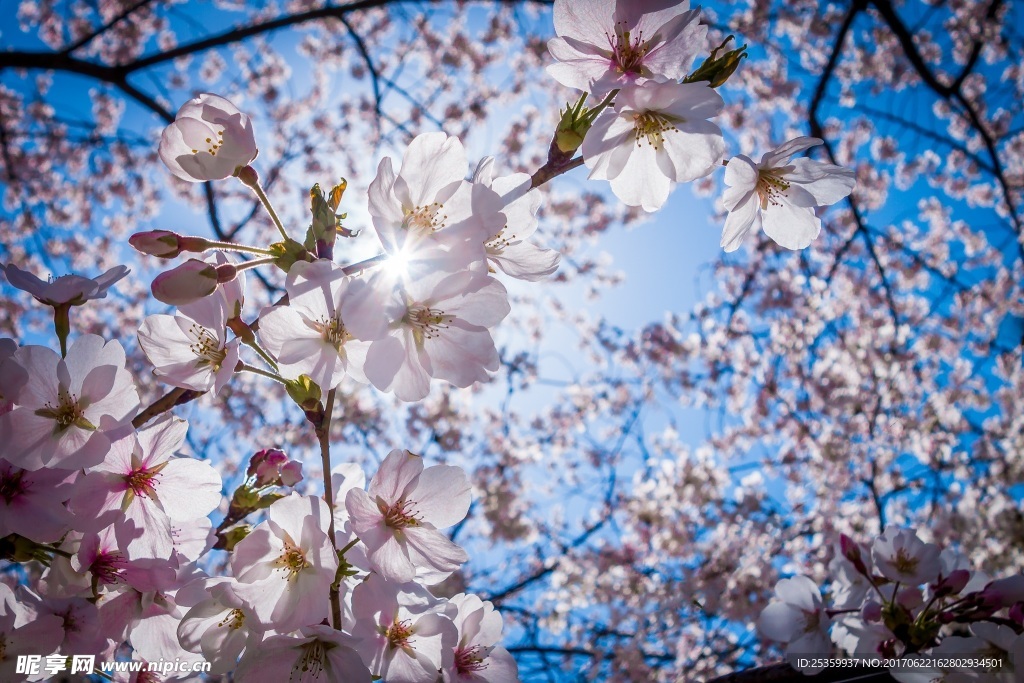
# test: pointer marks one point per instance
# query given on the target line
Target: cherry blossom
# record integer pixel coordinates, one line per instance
(428, 217)
(32, 502)
(607, 44)
(900, 555)
(318, 654)
(210, 139)
(12, 377)
(141, 482)
(325, 329)
(508, 248)
(220, 627)
(786, 192)
(398, 518)
(798, 619)
(68, 407)
(72, 290)
(655, 135)
(285, 566)
(186, 283)
(191, 350)
(440, 330)
(478, 657)
(24, 632)
(406, 634)
(271, 467)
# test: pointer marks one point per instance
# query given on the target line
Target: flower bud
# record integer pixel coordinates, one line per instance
(871, 612)
(717, 70)
(159, 243)
(952, 584)
(189, 282)
(851, 551)
(1017, 613)
(271, 467)
(1004, 592)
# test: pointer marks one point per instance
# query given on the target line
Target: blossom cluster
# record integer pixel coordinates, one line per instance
(902, 597)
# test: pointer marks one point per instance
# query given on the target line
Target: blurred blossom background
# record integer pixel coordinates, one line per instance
(672, 429)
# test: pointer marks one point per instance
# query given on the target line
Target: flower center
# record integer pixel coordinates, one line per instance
(628, 51)
(213, 145)
(234, 620)
(653, 126)
(107, 567)
(470, 659)
(206, 347)
(398, 634)
(292, 560)
(11, 485)
(333, 331)
(398, 515)
(770, 187)
(142, 482)
(424, 220)
(499, 242)
(311, 661)
(905, 564)
(66, 412)
(426, 322)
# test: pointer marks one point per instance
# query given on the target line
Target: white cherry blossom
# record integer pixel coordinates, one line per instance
(209, 140)
(72, 290)
(318, 654)
(285, 566)
(325, 329)
(405, 634)
(478, 656)
(67, 407)
(797, 618)
(782, 193)
(656, 135)
(899, 555)
(191, 349)
(428, 217)
(607, 44)
(508, 248)
(440, 330)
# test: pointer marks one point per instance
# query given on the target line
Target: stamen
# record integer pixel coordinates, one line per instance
(292, 561)
(311, 662)
(398, 634)
(206, 346)
(333, 331)
(426, 322)
(470, 659)
(234, 620)
(399, 515)
(425, 220)
(653, 126)
(628, 52)
(11, 486)
(66, 412)
(770, 187)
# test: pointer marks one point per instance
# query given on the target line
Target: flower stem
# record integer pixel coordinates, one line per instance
(363, 265)
(245, 367)
(323, 433)
(269, 207)
(230, 246)
(62, 326)
(255, 262)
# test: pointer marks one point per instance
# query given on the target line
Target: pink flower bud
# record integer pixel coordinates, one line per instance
(226, 273)
(159, 243)
(1017, 613)
(851, 551)
(871, 612)
(1004, 592)
(954, 583)
(189, 282)
(271, 467)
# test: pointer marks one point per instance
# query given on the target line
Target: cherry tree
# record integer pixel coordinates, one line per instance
(858, 362)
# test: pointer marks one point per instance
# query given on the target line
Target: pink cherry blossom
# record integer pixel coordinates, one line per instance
(656, 135)
(478, 656)
(141, 483)
(271, 467)
(210, 139)
(23, 631)
(784, 193)
(286, 565)
(186, 283)
(325, 329)
(399, 517)
(32, 502)
(72, 290)
(68, 407)
(508, 248)
(440, 330)
(607, 44)
(405, 634)
(319, 654)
